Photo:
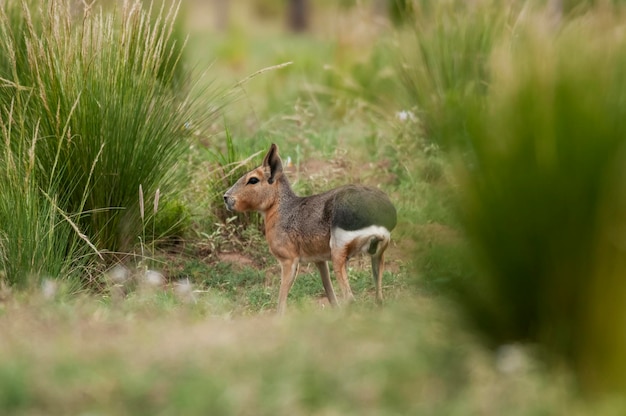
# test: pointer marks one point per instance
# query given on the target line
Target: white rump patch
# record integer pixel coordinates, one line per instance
(340, 238)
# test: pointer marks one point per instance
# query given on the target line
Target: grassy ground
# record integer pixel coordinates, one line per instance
(154, 354)
(199, 336)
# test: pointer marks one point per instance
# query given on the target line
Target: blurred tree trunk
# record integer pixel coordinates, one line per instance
(381, 7)
(222, 14)
(298, 15)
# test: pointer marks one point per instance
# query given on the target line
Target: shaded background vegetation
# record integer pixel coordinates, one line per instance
(496, 127)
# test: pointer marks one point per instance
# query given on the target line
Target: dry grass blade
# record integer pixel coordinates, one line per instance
(235, 165)
(261, 71)
(80, 234)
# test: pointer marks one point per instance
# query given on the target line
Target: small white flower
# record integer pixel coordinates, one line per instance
(118, 274)
(154, 278)
(405, 115)
(48, 288)
(511, 358)
(184, 290)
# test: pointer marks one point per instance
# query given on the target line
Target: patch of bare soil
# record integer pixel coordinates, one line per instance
(429, 235)
(236, 258)
(323, 174)
(437, 233)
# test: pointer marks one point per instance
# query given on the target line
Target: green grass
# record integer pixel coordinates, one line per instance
(38, 240)
(356, 362)
(113, 123)
(205, 338)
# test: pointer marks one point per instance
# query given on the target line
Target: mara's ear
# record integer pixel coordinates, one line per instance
(272, 160)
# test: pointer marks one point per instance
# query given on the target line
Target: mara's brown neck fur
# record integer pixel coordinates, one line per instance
(282, 199)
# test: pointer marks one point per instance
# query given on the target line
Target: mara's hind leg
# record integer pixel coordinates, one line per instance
(340, 262)
(322, 266)
(376, 249)
(378, 265)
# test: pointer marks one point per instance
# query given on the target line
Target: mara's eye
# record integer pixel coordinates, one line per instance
(253, 180)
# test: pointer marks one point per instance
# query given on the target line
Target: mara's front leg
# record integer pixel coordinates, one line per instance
(289, 271)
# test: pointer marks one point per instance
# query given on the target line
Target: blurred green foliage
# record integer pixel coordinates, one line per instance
(536, 113)
(446, 53)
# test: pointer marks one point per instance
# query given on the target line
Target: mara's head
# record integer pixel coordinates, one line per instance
(257, 190)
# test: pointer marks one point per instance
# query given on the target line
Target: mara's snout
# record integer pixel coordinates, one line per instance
(332, 226)
(229, 202)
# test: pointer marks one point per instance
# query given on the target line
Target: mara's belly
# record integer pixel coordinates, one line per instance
(308, 255)
(306, 250)
(314, 249)
(314, 258)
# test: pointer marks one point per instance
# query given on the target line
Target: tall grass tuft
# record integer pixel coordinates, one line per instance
(103, 87)
(37, 239)
(445, 58)
(544, 199)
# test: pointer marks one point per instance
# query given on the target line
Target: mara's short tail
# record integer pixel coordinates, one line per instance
(377, 244)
